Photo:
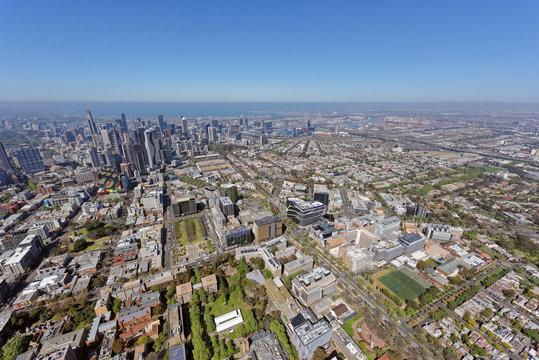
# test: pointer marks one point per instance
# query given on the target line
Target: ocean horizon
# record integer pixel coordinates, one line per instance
(239, 109)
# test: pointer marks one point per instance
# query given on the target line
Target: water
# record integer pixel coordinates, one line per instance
(236, 109)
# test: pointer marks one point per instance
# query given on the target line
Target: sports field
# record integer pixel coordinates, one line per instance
(402, 285)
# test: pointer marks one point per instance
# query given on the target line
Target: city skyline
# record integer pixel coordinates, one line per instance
(301, 52)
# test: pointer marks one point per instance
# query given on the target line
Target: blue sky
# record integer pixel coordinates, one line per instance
(371, 50)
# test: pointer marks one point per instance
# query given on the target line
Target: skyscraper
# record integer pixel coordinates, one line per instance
(162, 123)
(150, 148)
(29, 159)
(91, 123)
(4, 160)
(212, 134)
(94, 157)
(93, 128)
(185, 129)
(124, 122)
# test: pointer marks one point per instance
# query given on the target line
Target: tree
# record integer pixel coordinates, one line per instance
(14, 347)
(117, 306)
(158, 343)
(144, 339)
(421, 265)
(80, 245)
(117, 346)
(319, 354)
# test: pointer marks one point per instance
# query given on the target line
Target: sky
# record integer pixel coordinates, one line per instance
(269, 51)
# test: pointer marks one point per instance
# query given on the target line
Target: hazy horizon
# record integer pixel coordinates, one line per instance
(223, 109)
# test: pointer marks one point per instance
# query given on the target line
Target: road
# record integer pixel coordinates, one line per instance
(346, 206)
(402, 326)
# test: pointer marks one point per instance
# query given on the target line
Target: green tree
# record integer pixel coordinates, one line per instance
(319, 354)
(117, 306)
(158, 343)
(144, 339)
(14, 347)
(117, 346)
(80, 245)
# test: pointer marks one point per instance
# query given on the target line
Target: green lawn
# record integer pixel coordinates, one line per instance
(347, 326)
(189, 231)
(93, 244)
(235, 301)
(402, 285)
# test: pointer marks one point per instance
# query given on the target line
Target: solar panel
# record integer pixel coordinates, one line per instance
(178, 353)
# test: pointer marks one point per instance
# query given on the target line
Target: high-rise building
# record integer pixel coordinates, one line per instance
(263, 139)
(150, 148)
(212, 134)
(94, 157)
(29, 159)
(4, 160)
(93, 128)
(91, 123)
(123, 122)
(140, 163)
(185, 129)
(323, 197)
(161, 121)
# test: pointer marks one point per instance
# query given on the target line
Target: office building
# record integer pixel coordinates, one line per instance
(4, 160)
(354, 258)
(322, 197)
(231, 191)
(387, 250)
(412, 242)
(91, 123)
(185, 206)
(123, 122)
(304, 212)
(236, 236)
(265, 346)
(161, 121)
(93, 155)
(308, 334)
(227, 206)
(304, 263)
(29, 159)
(437, 232)
(268, 227)
(387, 226)
(313, 285)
